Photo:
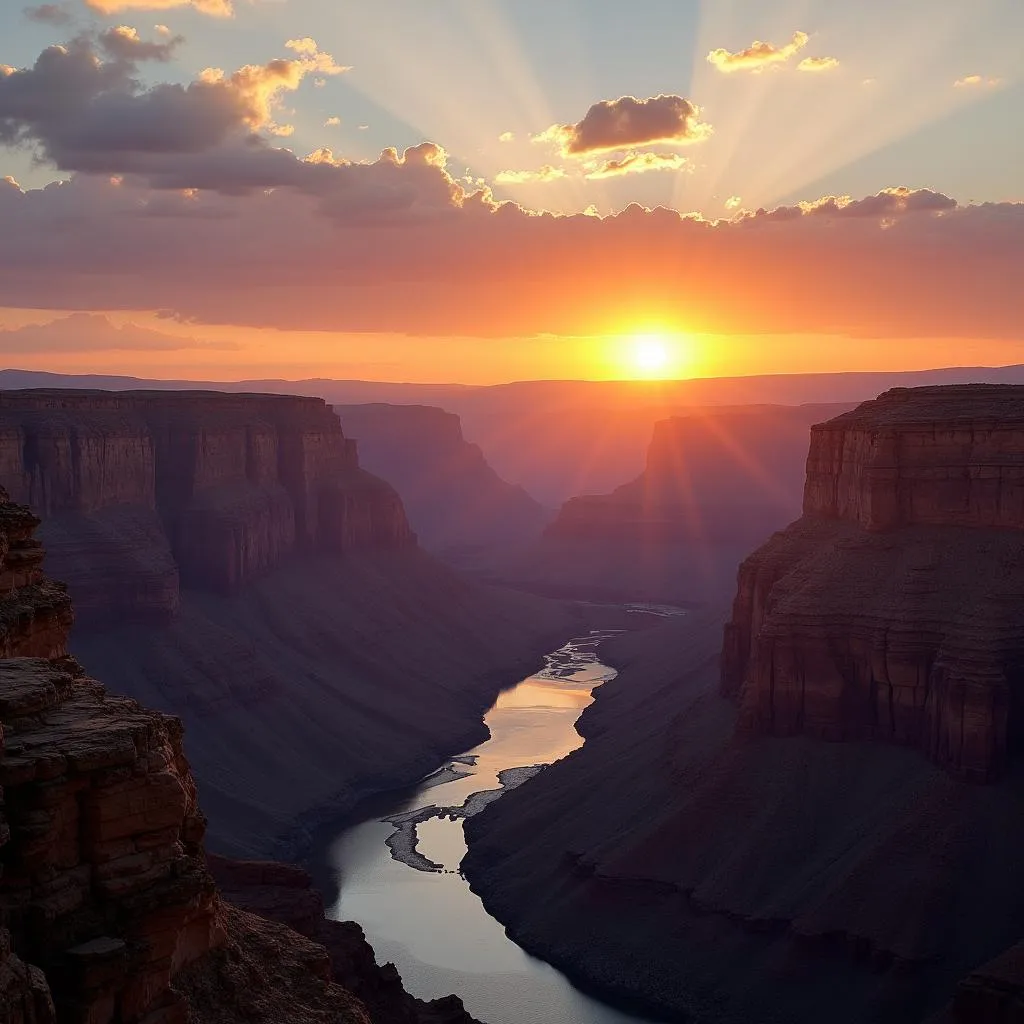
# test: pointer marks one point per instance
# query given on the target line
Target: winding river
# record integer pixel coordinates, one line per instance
(399, 872)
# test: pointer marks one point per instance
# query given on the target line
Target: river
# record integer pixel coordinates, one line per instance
(409, 896)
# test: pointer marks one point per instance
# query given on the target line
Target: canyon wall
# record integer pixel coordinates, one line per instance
(453, 497)
(713, 475)
(141, 492)
(109, 912)
(892, 609)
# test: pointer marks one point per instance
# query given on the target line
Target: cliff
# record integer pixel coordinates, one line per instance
(141, 492)
(232, 565)
(110, 914)
(891, 610)
(452, 495)
(708, 854)
(717, 482)
(712, 475)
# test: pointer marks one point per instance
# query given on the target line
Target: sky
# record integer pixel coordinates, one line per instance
(488, 190)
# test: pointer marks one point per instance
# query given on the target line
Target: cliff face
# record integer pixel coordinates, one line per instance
(891, 611)
(109, 912)
(35, 613)
(453, 497)
(712, 476)
(141, 490)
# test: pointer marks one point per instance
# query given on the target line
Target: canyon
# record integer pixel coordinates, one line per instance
(454, 499)
(110, 912)
(716, 484)
(819, 818)
(232, 564)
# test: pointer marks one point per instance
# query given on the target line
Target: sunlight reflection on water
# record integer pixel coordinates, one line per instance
(429, 923)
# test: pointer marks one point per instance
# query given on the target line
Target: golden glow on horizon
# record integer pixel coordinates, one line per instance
(654, 355)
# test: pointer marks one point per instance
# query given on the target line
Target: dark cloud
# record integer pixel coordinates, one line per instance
(123, 43)
(86, 332)
(627, 122)
(82, 113)
(48, 14)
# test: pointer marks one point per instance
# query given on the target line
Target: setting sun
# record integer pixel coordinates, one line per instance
(654, 355)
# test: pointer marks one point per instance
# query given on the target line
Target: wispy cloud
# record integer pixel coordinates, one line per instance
(542, 174)
(818, 64)
(638, 163)
(977, 82)
(216, 8)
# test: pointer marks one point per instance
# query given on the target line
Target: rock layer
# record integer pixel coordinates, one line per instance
(109, 911)
(892, 609)
(139, 490)
(453, 497)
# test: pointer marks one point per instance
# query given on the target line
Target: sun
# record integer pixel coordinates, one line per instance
(653, 355)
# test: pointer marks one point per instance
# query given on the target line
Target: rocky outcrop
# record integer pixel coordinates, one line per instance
(142, 490)
(35, 613)
(108, 911)
(285, 894)
(453, 497)
(892, 610)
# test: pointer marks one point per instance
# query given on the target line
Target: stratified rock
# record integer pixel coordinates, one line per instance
(285, 893)
(104, 883)
(140, 489)
(453, 496)
(35, 613)
(713, 475)
(893, 609)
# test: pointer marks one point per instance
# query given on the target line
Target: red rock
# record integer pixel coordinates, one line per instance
(893, 609)
(141, 489)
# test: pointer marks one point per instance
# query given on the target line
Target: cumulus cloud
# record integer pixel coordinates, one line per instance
(628, 122)
(82, 113)
(87, 332)
(977, 82)
(542, 174)
(216, 8)
(638, 163)
(818, 64)
(124, 43)
(759, 55)
(48, 14)
(733, 203)
(507, 137)
(332, 122)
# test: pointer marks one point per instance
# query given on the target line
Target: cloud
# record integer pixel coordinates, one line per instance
(627, 122)
(123, 43)
(82, 113)
(543, 174)
(818, 64)
(406, 249)
(977, 82)
(507, 137)
(638, 163)
(758, 56)
(733, 203)
(86, 332)
(216, 8)
(332, 122)
(48, 14)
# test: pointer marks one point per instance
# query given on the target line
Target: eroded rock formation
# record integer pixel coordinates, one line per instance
(892, 609)
(139, 490)
(452, 495)
(108, 911)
